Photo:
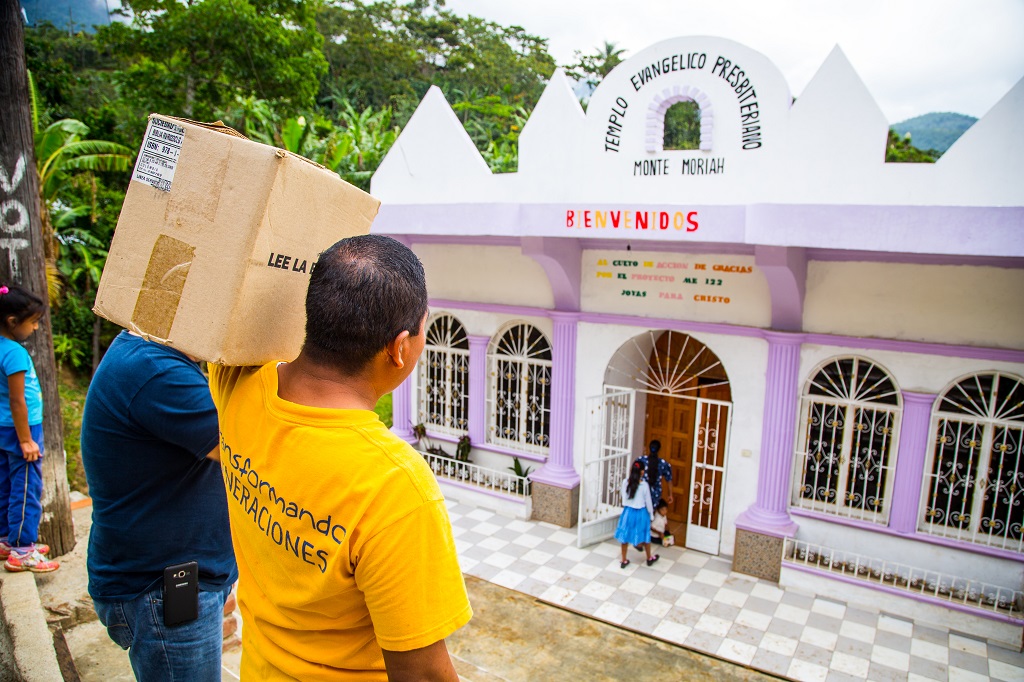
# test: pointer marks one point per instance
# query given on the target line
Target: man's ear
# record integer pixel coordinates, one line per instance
(395, 349)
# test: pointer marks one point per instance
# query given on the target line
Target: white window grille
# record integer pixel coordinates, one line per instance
(846, 456)
(443, 379)
(519, 396)
(974, 476)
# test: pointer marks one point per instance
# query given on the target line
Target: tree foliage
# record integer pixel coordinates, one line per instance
(682, 126)
(190, 58)
(352, 145)
(389, 53)
(593, 67)
(332, 80)
(899, 150)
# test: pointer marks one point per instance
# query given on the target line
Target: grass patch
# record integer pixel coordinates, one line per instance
(72, 390)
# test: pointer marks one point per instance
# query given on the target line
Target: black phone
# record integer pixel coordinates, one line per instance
(181, 593)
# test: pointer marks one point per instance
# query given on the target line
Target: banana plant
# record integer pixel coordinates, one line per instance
(64, 155)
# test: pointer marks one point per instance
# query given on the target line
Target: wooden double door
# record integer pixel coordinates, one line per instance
(692, 434)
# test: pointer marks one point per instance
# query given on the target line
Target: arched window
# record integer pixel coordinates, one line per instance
(974, 476)
(846, 457)
(519, 399)
(444, 377)
(682, 125)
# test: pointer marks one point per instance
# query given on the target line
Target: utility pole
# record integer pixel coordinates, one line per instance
(22, 261)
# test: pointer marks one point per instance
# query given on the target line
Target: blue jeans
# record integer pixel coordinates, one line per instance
(189, 651)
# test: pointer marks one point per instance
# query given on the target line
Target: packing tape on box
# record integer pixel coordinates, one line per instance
(161, 288)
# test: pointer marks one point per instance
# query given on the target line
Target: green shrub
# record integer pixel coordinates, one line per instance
(72, 391)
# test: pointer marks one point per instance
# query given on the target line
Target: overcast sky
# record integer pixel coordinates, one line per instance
(914, 56)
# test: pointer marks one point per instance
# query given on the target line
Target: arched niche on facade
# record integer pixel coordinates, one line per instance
(659, 107)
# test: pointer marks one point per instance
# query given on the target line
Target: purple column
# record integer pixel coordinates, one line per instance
(785, 269)
(913, 449)
(478, 388)
(401, 411)
(558, 471)
(768, 515)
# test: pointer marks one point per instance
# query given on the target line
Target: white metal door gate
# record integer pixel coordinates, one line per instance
(707, 475)
(606, 458)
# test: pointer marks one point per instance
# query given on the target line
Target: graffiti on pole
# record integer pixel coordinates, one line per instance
(14, 218)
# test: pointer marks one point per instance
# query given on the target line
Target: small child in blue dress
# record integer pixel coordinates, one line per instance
(21, 436)
(635, 522)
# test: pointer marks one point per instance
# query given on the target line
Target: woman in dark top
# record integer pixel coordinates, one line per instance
(655, 469)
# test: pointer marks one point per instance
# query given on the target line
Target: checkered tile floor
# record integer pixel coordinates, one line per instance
(692, 599)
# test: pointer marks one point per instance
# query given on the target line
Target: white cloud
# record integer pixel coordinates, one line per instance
(914, 56)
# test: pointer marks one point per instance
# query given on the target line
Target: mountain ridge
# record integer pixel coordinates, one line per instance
(934, 131)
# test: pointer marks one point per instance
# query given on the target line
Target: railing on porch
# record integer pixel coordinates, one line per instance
(933, 585)
(491, 480)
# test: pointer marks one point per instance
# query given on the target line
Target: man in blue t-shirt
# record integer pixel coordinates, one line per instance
(150, 448)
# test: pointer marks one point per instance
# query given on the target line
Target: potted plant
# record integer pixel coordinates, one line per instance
(518, 470)
(420, 431)
(462, 448)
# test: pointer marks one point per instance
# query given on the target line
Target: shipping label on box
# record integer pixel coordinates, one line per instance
(216, 240)
(159, 154)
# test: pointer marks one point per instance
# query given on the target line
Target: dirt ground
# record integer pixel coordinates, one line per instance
(511, 637)
(517, 637)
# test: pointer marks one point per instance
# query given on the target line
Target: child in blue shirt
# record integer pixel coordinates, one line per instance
(21, 435)
(634, 526)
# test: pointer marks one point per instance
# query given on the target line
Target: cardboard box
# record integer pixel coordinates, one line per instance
(216, 240)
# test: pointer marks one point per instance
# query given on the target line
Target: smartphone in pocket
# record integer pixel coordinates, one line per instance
(181, 593)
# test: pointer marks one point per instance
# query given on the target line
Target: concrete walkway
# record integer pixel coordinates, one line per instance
(694, 600)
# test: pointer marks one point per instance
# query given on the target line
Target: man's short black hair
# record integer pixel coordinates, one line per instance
(363, 292)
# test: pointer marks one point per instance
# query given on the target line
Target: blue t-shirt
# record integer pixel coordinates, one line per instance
(13, 359)
(149, 422)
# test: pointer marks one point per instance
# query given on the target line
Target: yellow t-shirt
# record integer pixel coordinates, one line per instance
(343, 542)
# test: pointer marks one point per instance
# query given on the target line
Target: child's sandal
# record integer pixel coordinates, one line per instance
(624, 564)
(650, 562)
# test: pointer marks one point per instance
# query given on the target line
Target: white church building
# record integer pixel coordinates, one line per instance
(829, 347)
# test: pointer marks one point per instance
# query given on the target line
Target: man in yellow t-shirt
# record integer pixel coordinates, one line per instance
(347, 566)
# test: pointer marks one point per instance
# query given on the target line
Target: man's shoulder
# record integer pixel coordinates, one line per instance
(133, 359)
(394, 448)
(224, 379)
(128, 349)
(405, 459)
